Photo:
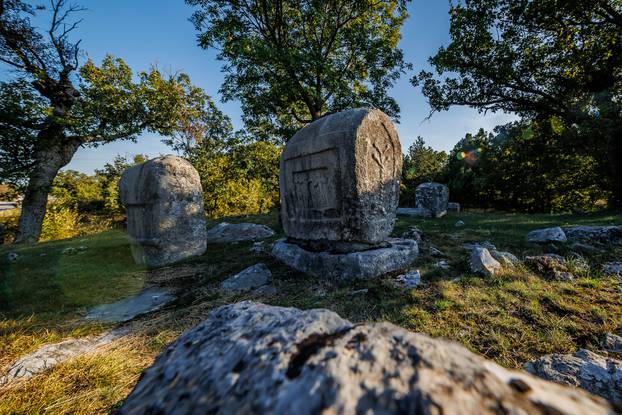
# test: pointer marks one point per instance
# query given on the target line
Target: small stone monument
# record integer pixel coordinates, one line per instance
(339, 182)
(432, 198)
(165, 217)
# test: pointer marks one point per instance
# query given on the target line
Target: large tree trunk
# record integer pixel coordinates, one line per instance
(53, 153)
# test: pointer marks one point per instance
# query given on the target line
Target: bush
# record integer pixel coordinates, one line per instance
(60, 222)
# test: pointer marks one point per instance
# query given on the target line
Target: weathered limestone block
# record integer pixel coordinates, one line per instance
(433, 198)
(252, 358)
(340, 178)
(165, 217)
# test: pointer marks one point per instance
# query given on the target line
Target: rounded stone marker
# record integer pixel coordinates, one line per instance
(165, 217)
(340, 177)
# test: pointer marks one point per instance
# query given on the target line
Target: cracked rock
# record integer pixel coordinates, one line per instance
(254, 358)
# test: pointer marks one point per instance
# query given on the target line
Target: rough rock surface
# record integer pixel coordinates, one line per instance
(612, 343)
(414, 212)
(547, 235)
(433, 198)
(409, 280)
(364, 264)
(613, 268)
(597, 374)
(551, 266)
(165, 217)
(237, 232)
(608, 235)
(339, 178)
(453, 207)
(505, 258)
(148, 300)
(248, 279)
(49, 355)
(253, 358)
(415, 233)
(481, 262)
(459, 224)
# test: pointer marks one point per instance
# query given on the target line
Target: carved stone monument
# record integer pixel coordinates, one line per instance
(165, 217)
(339, 181)
(432, 198)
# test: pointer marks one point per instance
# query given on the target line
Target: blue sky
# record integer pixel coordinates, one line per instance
(143, 32)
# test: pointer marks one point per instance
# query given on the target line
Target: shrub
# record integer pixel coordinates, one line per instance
(60, 222)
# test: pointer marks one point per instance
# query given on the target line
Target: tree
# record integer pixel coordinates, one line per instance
(421, 164)
(290, 62)
(85, 105)
(108, 179)
(540, 59)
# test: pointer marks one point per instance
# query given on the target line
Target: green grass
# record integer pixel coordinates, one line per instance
(512, 318)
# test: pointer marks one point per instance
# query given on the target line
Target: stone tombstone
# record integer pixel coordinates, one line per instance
(339, 178)
(433, 198)
(165, 217)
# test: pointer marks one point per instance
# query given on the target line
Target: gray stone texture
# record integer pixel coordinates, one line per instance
(432, 198)
(147, 301)
(410, 280)
(248, 279)
(608, 235)
(597, 374)
(481, 262)
(251, 358)
(339, 178)
(550, 266)
(612, 343)
(238, 232)
(165, 217)
(50, 355)
(613, 268)
(398, 255)
(413, 212)
(540, 236)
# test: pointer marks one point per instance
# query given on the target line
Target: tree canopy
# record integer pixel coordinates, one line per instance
(291, 61)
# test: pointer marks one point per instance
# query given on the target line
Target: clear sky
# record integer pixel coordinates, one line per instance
(143, 32)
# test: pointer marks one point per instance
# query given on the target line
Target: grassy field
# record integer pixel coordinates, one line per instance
(511, 318)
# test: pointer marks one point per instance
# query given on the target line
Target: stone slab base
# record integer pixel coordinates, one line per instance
(364, 264)
(420, 213)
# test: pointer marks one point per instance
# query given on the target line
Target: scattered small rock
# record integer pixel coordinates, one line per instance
(612, 343)
(82, 248)
(12, 257)
(69, 251)
(607, 235)
(50, 355)
(409, 280)
(459, 224)
(596, 374)
(547, 235)
(506, 258)
(248, 279)
(147, 301)
(257, 248)
(474, 245)
(265, 290)
(437, 253)
(613, 268)
(238, 232)
(443, 264)
(413, 233)
(550, 266)
(582, 248)
(481, 262)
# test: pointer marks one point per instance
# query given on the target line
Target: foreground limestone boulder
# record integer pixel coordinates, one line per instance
(482, 262)
(433, 198)
(597, 374)
(165, 217)
(253, 358)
